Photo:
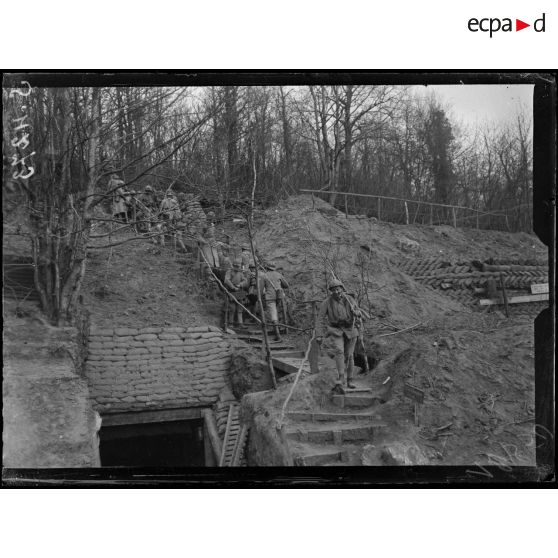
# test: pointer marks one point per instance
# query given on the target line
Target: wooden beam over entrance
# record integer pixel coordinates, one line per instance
(143, 417)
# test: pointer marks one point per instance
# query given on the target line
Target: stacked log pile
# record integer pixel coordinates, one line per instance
(468, 281)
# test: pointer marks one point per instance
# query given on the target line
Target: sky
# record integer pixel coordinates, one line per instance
(483, 103)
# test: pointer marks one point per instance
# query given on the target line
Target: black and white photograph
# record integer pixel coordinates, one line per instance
(344, 276)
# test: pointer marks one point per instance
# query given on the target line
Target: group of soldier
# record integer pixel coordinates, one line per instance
(245, 287)
(339, 320)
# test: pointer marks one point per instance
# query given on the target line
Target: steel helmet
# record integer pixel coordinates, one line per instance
(148, 189)
(336, 283)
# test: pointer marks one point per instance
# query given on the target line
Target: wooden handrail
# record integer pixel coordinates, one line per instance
(401, 199)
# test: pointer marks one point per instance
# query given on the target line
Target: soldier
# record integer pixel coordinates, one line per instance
(246, 257)
(148, 206)
(171, 214)
(169, 208)
(149, 199)
(274, 283)
(236, 282)
(119, 198)
(342, 313)
(223, 252)
(252, 297)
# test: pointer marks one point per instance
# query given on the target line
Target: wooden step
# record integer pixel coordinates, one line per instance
(323, 416)
(356, 400)
(333, 433)
(321, 458)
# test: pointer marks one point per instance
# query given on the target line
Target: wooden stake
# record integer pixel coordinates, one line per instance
(416, 414)
(504, 295)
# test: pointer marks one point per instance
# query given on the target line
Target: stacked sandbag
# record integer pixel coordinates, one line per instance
(131, 369)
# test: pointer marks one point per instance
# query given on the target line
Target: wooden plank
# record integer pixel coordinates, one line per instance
(143, 417)
(515, 299)
(289, 365)
(288, 354)
(539, 288)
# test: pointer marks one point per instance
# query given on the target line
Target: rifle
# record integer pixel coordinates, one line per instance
(358, 313)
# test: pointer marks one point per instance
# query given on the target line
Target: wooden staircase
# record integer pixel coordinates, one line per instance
(333, 438)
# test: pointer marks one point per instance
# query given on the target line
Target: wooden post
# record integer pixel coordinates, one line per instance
(416, 414)
(504, 295)
(416, 213)
(226, 311)
(346, 211)
(284, 312)
(211, 428)
(262, 309)
(453, 217)
(314, 353)
(406, 213)
(379, 208)
(208, 456)
(431, 214)
(313, 202)
(477, 220)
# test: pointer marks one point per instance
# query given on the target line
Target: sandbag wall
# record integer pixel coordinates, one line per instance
(468, 281)
(156, 368)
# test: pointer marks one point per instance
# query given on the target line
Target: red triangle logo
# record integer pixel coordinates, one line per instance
(519, 25)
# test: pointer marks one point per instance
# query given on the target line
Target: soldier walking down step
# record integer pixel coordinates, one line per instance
(341, 312)
(274, 283)
(236, 282)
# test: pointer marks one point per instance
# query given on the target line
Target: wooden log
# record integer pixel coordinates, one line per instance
(213, 433)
